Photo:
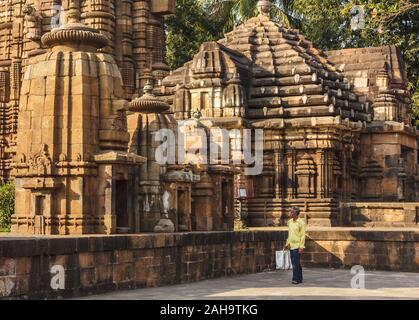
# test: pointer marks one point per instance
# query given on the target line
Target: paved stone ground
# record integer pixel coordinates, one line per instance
(319, 284)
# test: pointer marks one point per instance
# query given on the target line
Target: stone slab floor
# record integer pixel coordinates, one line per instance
(319, 284)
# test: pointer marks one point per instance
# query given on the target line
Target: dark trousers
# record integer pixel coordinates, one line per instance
(297, 270)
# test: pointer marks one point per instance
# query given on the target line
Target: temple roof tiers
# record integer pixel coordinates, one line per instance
(283, 74)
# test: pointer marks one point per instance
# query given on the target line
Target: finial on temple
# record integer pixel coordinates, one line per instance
(264, 7)
(148, 88)
(73, 15)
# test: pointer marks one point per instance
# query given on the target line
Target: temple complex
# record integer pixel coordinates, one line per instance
(86, 93)
(338, 137)
(135, 39)
(79, 121)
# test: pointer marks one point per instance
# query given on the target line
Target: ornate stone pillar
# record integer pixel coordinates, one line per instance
(73, 138)
(100, 14)
(306, 177)
(268, 176)
(278, 174)
(124, 52)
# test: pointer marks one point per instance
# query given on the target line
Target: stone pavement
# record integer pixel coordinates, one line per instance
(319, 284)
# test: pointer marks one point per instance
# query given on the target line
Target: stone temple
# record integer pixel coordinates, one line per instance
(85, 90)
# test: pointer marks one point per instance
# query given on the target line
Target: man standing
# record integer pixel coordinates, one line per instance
(296, 243)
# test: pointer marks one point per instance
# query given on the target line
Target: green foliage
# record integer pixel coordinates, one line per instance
(187, 29)
(323, 24)
(7, 206)
(198, 21)
(391, 22)
(231, 13)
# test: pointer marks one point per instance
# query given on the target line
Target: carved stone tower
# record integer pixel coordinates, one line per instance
(136, 41)
(72, 168)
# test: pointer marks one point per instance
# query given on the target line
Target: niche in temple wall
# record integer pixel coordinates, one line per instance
(204, 103)
(372, 180)
(234, 98)
(354, 176)
(200, 102)
(265, 183)
(337, 171)
(306, 175)
(182, 103)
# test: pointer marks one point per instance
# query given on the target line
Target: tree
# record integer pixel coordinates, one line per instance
(323, 24)
(187, 29)
(7, 206)
(391, 22)
(235, 12)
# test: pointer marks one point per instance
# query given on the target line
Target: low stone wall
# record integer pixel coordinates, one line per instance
(388, 250)
(103, 263)
(381, 214)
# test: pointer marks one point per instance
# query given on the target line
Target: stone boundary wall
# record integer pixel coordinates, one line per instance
(381, 214)
(99, 264)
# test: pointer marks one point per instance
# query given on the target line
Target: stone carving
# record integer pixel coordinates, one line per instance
(166, 197)
(323, 115)
(120, 121)
(306, 177)
(85, 131)
(25, 19)
(33, 23)
(4, 86)
(40, 163)
(314, 109)
(165, 226)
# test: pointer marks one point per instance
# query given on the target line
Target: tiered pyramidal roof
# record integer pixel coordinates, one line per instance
(283, 75)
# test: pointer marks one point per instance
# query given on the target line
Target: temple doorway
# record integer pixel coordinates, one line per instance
(181, 211)
(122, 218)
(225, 201)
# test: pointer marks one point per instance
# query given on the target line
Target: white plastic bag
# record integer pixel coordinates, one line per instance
(283, 260)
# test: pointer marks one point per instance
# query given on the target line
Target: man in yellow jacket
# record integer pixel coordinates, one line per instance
(296, 243)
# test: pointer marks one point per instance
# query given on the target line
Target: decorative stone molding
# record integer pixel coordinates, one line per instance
(74, 32)
(33, 20)
(306, 177)
(148, 103)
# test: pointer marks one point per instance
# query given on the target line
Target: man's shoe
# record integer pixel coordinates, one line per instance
(295, 282)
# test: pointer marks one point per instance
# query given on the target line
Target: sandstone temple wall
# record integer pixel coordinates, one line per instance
(337, 125)
(98, 264)
(380, 214)
(137, 43)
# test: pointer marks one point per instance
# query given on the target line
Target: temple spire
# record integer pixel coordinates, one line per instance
(148, 102)
(264, 7)
(73, 15)
(75, 35)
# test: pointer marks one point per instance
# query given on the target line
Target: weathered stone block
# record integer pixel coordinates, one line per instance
(86, 260)
(7, 266)
(124, 256)
(88, 277)
(123, 272)
(163, 6)
(7, 286)
(104, 273)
